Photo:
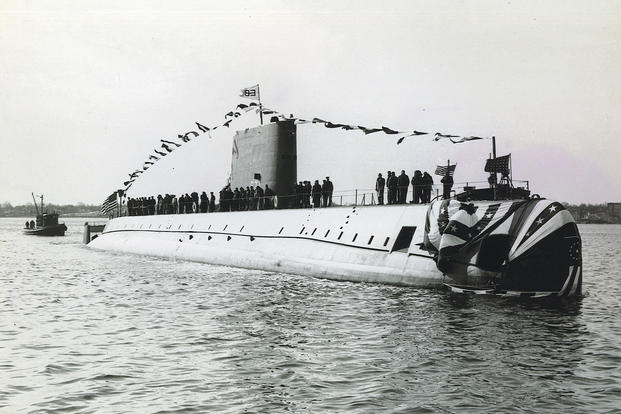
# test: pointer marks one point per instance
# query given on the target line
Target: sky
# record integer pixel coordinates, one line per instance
(88, 89)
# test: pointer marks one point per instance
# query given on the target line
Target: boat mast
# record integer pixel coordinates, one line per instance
(35, 203)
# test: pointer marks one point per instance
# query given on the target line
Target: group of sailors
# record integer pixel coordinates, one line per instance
(170, 204)
(249, 198)
(303, 195)
(316, 195)
(397, 187)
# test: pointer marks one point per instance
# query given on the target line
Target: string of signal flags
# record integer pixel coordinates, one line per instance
(253, 93)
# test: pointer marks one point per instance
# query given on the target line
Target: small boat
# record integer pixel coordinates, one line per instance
(47, 223)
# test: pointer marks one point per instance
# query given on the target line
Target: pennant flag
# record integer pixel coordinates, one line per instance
(320, 121)
(148, 163)
(237, 114)
(368, 131)
(441, 169)
(170, 142)
(163, 154)
(498, 164)
(251, 104)
(415, 132)
(167, 148)
(146, 167)
(464, 139)
(401, 139)
(227, 123)
(348, 127)
(202, 128)
(267, 111)
(389, 131)
(185, 137)
(228, 115)
(153, 157)
(251, 92)
(241, 106)
(128, 182)
(109, 204)
(439, 136)
(331, 125)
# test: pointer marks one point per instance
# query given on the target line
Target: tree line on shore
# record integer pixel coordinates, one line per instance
(583, 213)
(29, 210)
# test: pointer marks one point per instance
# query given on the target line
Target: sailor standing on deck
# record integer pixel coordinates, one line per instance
(330, 191)
(316, 194)
(447, 184)
(403, 183)
(417, 187)
(427, 186)
(379, 187)
(212, 202)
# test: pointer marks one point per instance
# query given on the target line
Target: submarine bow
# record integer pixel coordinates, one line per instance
(530, 246)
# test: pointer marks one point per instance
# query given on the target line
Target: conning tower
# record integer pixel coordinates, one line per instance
(266, 155)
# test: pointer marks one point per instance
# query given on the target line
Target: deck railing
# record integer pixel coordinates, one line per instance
(352, 197)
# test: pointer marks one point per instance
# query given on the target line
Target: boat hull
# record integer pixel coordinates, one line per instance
(56, 230)
(378, 244)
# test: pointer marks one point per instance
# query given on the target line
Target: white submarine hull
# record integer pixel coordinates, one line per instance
(514, 252)
(341, 243)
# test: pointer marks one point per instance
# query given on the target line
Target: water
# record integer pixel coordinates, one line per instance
(95, 332)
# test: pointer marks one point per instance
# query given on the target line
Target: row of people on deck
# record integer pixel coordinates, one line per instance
(397, 187)
(249, 198)
(170, 204)
(317, 195)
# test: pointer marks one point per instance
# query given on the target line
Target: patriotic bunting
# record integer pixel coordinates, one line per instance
(253, 94)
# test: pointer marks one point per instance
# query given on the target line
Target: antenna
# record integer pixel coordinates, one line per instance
(35, 203)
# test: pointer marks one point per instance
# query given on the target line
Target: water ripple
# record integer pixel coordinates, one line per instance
(95, 332)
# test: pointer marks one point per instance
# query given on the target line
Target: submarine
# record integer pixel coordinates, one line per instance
(498, 240)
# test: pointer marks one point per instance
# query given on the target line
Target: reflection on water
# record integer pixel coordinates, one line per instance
(85, 331)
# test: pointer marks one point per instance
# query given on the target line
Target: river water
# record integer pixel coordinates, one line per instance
(83, 331)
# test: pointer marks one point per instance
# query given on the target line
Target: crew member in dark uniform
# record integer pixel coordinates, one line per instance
(403, 183)
(330, 191)
(324, 193)
(447, 184)
(316, 194)
(212, 202)
(417, 187)
(379, 188)
(260, 197)
(307, 194)
(269, 197)
(427, 186)
(204, 202)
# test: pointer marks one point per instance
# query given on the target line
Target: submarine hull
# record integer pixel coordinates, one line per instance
(407, 245)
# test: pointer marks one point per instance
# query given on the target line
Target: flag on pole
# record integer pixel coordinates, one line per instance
(251, 92)
(441, 170)
(498, 164)
(109, 204)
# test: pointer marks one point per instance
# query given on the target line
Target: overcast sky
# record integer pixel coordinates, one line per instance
(88, 91)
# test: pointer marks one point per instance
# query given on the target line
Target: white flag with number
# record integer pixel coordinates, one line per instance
(250, 93)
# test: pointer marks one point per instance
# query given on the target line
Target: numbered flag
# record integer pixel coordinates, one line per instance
(251, 92)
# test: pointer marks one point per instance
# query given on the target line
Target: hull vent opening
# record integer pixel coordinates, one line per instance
(404, 239)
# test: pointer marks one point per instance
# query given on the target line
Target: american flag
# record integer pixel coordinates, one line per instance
(109, 204)
(498, 164)
(441, 169)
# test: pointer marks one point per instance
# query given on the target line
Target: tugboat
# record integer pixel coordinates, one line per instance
(47, 223)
